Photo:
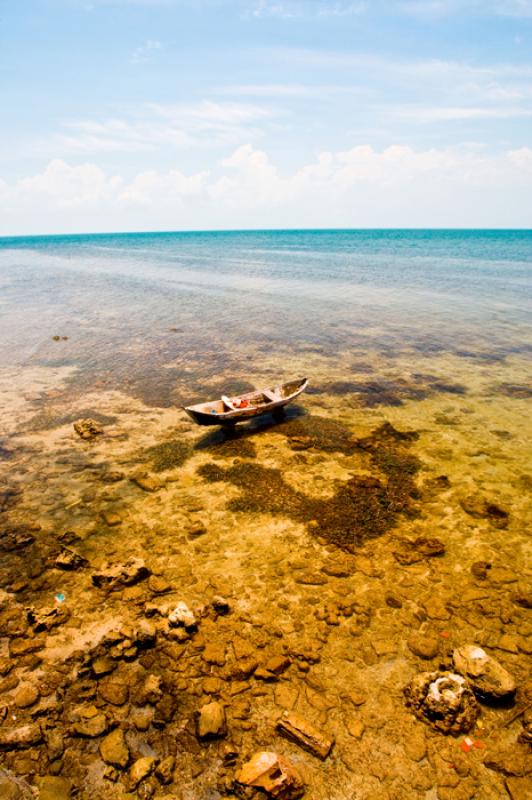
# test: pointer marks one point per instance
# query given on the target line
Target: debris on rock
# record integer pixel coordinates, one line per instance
(488, 678)
(444, 700)
(299, 730)
(87, 428)
(272, 773)
(126, 574)
(211, 721)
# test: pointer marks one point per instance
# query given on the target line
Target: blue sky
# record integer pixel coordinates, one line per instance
(190, 114)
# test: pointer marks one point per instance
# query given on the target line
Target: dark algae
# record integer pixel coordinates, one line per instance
(363, 508)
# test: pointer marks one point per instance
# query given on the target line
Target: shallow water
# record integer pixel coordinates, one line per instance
(426, 330)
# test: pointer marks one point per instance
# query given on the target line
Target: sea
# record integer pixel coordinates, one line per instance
(360, 539)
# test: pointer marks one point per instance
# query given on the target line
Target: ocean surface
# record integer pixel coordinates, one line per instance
(116, 296)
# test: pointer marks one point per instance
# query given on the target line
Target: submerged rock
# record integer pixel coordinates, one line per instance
(444, 700)
(299, 730)
(488, 678)
(114, 750)
(87, 428)
(481, 508)
(47, 618)
(13, 788)
(116, 577)
(211, 721)
(411, 552)
(70, 560)
(147, 482)
(21, 737)
(272, 773)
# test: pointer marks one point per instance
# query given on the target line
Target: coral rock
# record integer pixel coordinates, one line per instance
(132, 571)
(87, 428)
(114, 750)
(444, 700)
(298, 730)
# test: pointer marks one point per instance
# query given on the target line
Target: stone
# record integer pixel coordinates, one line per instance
(142, 718)
(211, 721)
(220, 606)
(158, 585)
(22, 646)
(26, 696)
(514, 760)
(277, 664)
(47, 618)
(12, 539)
(411, 552)
(87, 428)
(21, 737)
(355, 727)
(272, 773)
(164, 771)
(116, 577)
(90, 722)
(424, 645)
(13, 788)
(141, 769)
(146, 482)
(115, 692)
(151, 691)
(111, 518)
(436, 609)
(489, 679)
(114, 750)
(480, 508)
(286, 696)
(52, 787)
(297, 729)
(182, 616)
(103, 666)
(54, 743)
(518, 788)
(69, 559)
(214, 653)
(444, 700)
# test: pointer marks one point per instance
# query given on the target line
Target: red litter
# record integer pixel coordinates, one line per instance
(467, 744)
(478, 745)
(445, 634)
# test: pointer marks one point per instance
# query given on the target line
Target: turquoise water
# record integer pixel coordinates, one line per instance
(227, 295)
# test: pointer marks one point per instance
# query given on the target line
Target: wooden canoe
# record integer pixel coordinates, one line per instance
(230, 410)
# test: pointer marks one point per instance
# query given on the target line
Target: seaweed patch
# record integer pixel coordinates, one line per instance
(363, 508)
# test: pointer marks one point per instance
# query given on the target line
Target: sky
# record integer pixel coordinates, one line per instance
(124, 115)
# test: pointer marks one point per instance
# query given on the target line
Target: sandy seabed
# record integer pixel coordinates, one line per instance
(301, 540)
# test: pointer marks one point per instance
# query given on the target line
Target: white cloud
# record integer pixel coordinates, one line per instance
(359, 187)
(66, 187)
(176, 126)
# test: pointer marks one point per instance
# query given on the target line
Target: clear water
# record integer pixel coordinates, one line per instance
(229, 293)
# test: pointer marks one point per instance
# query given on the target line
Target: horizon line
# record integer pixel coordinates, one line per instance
(257, 230)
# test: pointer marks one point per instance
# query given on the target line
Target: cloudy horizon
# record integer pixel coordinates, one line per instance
(124, 115)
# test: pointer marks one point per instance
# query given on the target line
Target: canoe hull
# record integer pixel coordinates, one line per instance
(207, 413)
